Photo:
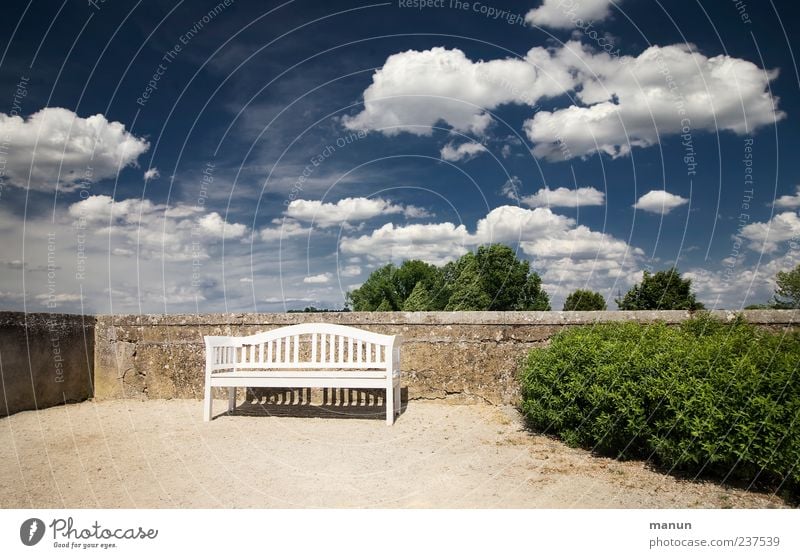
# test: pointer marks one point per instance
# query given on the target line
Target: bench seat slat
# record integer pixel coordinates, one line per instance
(301, 366)
(334, 382)
(240, 373)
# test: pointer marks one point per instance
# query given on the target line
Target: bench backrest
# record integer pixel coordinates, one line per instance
(312, 346)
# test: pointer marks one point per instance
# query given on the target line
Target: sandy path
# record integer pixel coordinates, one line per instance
(160, 454)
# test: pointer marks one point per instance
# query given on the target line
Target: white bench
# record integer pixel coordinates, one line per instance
(309, 355)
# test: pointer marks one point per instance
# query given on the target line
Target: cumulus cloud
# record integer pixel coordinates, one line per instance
(659, 201)
(544, 234)
(59, 298)
(414, 90)
(283, 229)
(141, 227)
(55, 146)
(350, 271)
(789, 201)
(567, 255)
(781, 228)
(511, 188)
(562, 14)
(465, 151)
(735, 286)
(151, 174)
(317, 279)
(539, 232)
(511, 224)
(348, 210)
(435, 243)
(214, 225)
(564, 197)
(632, 101)
(620, 102)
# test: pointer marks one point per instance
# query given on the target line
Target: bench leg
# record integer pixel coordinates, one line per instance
(207, 404)
(389, 405)
(397, 403)
(231, 399)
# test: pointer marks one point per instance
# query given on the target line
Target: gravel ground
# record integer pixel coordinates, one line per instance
(159, 454)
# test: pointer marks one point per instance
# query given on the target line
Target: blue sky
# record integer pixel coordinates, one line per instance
(260, 156)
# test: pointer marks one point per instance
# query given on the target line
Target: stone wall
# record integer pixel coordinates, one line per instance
(45, 360)
(50, 359)
(464, 355)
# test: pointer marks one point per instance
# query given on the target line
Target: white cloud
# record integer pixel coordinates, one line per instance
(150, 230)
(56, 146)
(621, 102)
(562, 14)
(214, 225)
(465, 151)
(288, 228)
(539, 232)
(414, 90)
(434, 243)
(544, 234)
(736, 286)
(659, 201)
(59, 298)
(316, 279)
(511, 224)
(288, 300)
(350, 271)
(151, 174)
(567, 255)
(564, 197)
(138, 257)
(781, 228)
(511, 188)
(789, 202)
(634, 101)
(348, 210)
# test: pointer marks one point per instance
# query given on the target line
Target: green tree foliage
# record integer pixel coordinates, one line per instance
(585, 300)
(413, 272)
(379, 287)
(419, 300)
(467, 292)
(492, 278)
(663, 290)
(704, 397)
(787, 295)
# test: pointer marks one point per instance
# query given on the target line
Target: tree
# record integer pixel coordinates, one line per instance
(392, 285)
(492, 278)
(378, 287)
(533, 296)
(419, 300)
(787, 295)
(468, 292)
(384, 306)
(663, 290)
(585, 300)
(502, 277)
(407, 276)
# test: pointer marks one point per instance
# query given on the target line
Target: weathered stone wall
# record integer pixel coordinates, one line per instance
(45, 360)
(468, 355)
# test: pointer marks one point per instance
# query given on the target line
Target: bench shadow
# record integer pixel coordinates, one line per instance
(343, 403)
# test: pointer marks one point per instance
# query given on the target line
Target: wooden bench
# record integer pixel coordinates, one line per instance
(313, 355)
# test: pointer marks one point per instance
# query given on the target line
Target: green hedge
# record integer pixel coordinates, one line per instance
(703, 397)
